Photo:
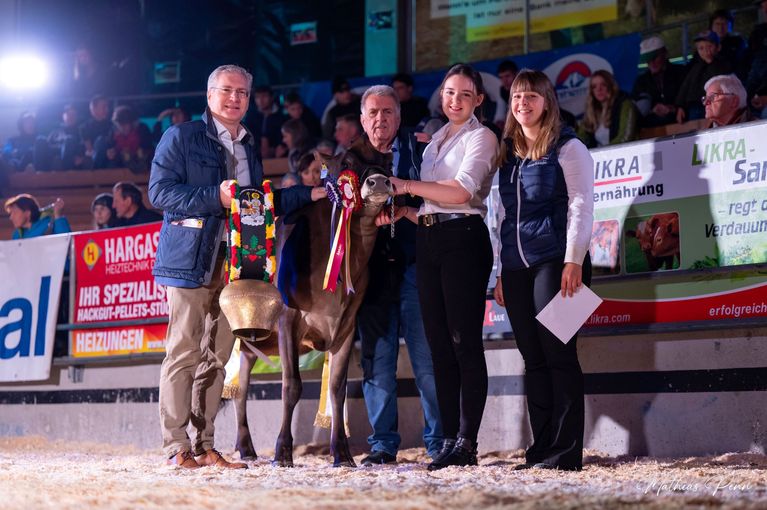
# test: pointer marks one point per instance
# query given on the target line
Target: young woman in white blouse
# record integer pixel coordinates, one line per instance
(546, 183)
(454, 259)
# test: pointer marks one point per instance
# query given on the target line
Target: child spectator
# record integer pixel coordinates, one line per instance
(104, 215)
(309, 170)
(29, 221)
(296, 109)
(610, 116)
(27, 150)
(709, 64)
(297, 142)
(65, 143)
(129, 143)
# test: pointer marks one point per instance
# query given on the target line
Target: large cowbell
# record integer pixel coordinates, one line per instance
(250, 302)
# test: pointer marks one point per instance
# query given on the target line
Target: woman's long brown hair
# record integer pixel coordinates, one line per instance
(532, 81)
(595, 114)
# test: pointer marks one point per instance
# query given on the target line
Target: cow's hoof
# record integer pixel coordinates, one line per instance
(248, 456)
(345, 463)
(283, 463)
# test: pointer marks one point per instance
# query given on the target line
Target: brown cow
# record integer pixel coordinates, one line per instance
(322, 320)
(658, 239)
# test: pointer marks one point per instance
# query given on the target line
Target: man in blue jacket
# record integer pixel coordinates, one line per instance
(192, 172)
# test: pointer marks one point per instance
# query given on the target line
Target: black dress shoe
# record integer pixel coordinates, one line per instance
(438, 462)
(526, 465)
(376, 458)
(464, 453)
(545, 465)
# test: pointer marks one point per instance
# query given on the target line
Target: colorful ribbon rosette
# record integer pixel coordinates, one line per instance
(345, 196)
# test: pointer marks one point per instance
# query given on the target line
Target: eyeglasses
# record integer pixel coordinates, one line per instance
(713, 97)
(228, 91)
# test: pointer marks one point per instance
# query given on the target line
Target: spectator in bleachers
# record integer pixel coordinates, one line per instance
(507, 71)
(346, 104)
(104, 215)
(656, 89)
(296, 109)
(265, 121)
(309, 170)
(129, 143)
(348, 129)
(288, 180)
(325, 147)
(611, 116)
(732, 45)
(65, 143)
(709, 64)
(176, 115)
(27, 150)
(129, 206)
(413, 109)
(725, 101)
(88, 77)
(98, 125)
(30, 221)
(296, 142)
(756, 63)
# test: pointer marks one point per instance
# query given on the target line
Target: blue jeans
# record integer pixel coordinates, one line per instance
(380, 325)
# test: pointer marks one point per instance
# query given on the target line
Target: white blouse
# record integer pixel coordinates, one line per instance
(469, 158)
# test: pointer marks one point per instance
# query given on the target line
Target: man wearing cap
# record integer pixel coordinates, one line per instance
(346, 103)
(725, 101)
(702, 69)
(656, 89)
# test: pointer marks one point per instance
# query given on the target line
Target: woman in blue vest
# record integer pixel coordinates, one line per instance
(546, 183)
(454, 259)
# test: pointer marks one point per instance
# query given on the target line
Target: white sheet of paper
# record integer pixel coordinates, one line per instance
(563, 316)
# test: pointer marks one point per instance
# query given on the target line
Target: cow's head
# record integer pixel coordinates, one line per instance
(372, 170)
(665, 241)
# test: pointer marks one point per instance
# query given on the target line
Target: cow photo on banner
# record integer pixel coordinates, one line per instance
(29, 302)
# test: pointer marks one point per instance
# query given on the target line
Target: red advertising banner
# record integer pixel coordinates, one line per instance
(113, 282)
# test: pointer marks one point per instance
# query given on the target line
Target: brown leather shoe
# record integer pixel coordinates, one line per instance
(213, 458)
(184, 460)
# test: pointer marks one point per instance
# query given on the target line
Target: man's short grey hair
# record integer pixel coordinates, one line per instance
(379, 90)
(730, 84)
(229, 68)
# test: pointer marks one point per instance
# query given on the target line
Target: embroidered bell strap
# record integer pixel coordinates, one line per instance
(350, 201)
(234, 241)
(259, 248)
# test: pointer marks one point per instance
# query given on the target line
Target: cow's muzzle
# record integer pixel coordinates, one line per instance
(376, 189)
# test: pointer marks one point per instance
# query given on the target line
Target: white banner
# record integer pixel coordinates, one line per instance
(31, 272)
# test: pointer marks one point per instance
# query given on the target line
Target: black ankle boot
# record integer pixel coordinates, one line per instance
(464, 453)
(438, 462)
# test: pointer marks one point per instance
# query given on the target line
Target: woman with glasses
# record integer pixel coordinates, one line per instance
(454, 259)
(546, 183)
(611, 116)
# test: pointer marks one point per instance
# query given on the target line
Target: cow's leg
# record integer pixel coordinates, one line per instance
(244, 443)
(339, 366)
(289, 339)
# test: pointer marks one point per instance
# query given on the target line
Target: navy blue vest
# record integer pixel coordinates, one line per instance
(534, 196)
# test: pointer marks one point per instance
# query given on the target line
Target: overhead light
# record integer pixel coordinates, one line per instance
(23, 72)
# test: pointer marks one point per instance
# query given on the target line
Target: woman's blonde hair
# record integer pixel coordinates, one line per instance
(529, 80)
(596, 113)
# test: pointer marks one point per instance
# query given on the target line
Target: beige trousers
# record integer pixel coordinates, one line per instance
(199, 343)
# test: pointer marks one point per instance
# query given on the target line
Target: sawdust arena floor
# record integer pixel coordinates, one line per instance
(38, 474)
